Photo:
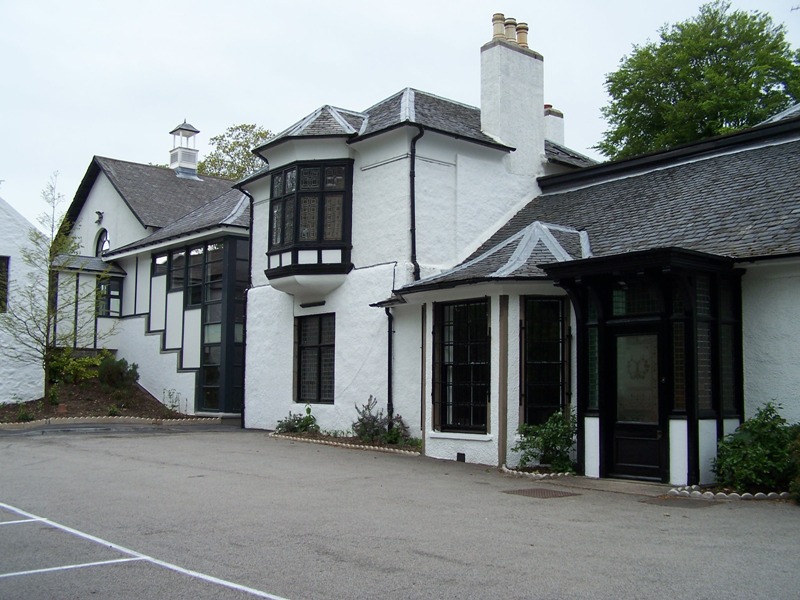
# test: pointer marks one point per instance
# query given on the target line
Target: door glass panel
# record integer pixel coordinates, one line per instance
(637, 378)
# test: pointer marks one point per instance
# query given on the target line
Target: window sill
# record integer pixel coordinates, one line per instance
(472, 437)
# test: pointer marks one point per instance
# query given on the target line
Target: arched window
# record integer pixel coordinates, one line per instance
(103, 244)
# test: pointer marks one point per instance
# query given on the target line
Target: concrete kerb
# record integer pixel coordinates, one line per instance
(69, 421)
(343, 444)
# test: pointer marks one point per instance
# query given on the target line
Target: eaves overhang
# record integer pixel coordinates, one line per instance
(451, 284)
(409, 123)
(199, 234)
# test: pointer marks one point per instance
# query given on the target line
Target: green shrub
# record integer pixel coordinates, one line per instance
(52, 395)
(756, 457)
(371, 427)
(794, 453)
(549, 443)
(66, 367)
(116, 373)
(114, 411)
(298, 423)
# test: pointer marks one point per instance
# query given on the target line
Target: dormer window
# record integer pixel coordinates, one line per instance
(310, 219)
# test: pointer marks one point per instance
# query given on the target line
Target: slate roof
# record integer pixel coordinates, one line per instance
(231, 209)
(561, 154)
(93, 264)
(415, 107)
(789, 113)
(155, 195)
(517, 256)
(740, 204)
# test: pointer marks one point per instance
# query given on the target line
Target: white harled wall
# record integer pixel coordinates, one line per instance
(19, 381)
(122, 226)
(771, 330)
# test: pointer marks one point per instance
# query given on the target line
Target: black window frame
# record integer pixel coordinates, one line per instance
(462, 366)
(5, 268)
(102, 244)
(286, 205)
(324, 381)
(544, 364)
(109, 289)
(159, 264)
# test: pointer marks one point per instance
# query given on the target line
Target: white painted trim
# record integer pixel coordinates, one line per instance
(472, 437)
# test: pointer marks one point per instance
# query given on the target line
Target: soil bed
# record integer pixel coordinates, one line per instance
(89, 399)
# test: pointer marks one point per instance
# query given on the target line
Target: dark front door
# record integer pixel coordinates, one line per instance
(637, 438)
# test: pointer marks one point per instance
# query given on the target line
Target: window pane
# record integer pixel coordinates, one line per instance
(308, 218)
(326, 374)
(213, 334)
(309, 178)
(308, 374)
(211, 355)
(160, 263)
(333, 217)
(334, 178)
(328, 333)
(291, 180)
(277, 222)
(277, 185)
(178, 264)
(309, 331)
(288, 226)
(213, 313)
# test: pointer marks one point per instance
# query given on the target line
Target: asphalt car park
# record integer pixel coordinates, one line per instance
(226, 513)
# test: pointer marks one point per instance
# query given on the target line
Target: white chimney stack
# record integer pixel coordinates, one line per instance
(512, 95)
(553, 124)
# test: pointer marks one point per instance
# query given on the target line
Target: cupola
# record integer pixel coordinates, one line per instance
(183, 156)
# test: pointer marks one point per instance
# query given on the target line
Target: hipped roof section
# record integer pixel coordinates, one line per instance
(407, 107)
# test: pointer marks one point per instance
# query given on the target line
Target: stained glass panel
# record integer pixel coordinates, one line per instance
(291, 180)
(333, 217)
(277, 185)
(309, 179)
(334, 178)
(308, 218)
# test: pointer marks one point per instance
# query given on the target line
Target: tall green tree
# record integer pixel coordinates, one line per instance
(717, 72)
(231, 157)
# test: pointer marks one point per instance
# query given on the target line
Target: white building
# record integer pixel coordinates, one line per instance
(20, 381)
(173, 247)
(471, 272)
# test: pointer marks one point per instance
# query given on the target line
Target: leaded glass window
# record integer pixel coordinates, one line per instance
(308, 218)
(310, 206)
(333, 217)
(461, 366)
(315, 338)
(545, 358)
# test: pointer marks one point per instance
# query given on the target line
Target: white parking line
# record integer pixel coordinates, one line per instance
(132, 553)
(68, 567)
(18, 522)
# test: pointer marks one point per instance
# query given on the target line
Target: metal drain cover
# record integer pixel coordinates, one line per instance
(540, 493)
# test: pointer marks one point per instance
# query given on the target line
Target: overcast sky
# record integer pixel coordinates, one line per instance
(80, 78)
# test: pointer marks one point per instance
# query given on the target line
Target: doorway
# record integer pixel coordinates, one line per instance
(637, 441)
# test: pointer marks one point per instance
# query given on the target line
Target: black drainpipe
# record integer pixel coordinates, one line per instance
(390, 337)
(413, 197)
(249, 287)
